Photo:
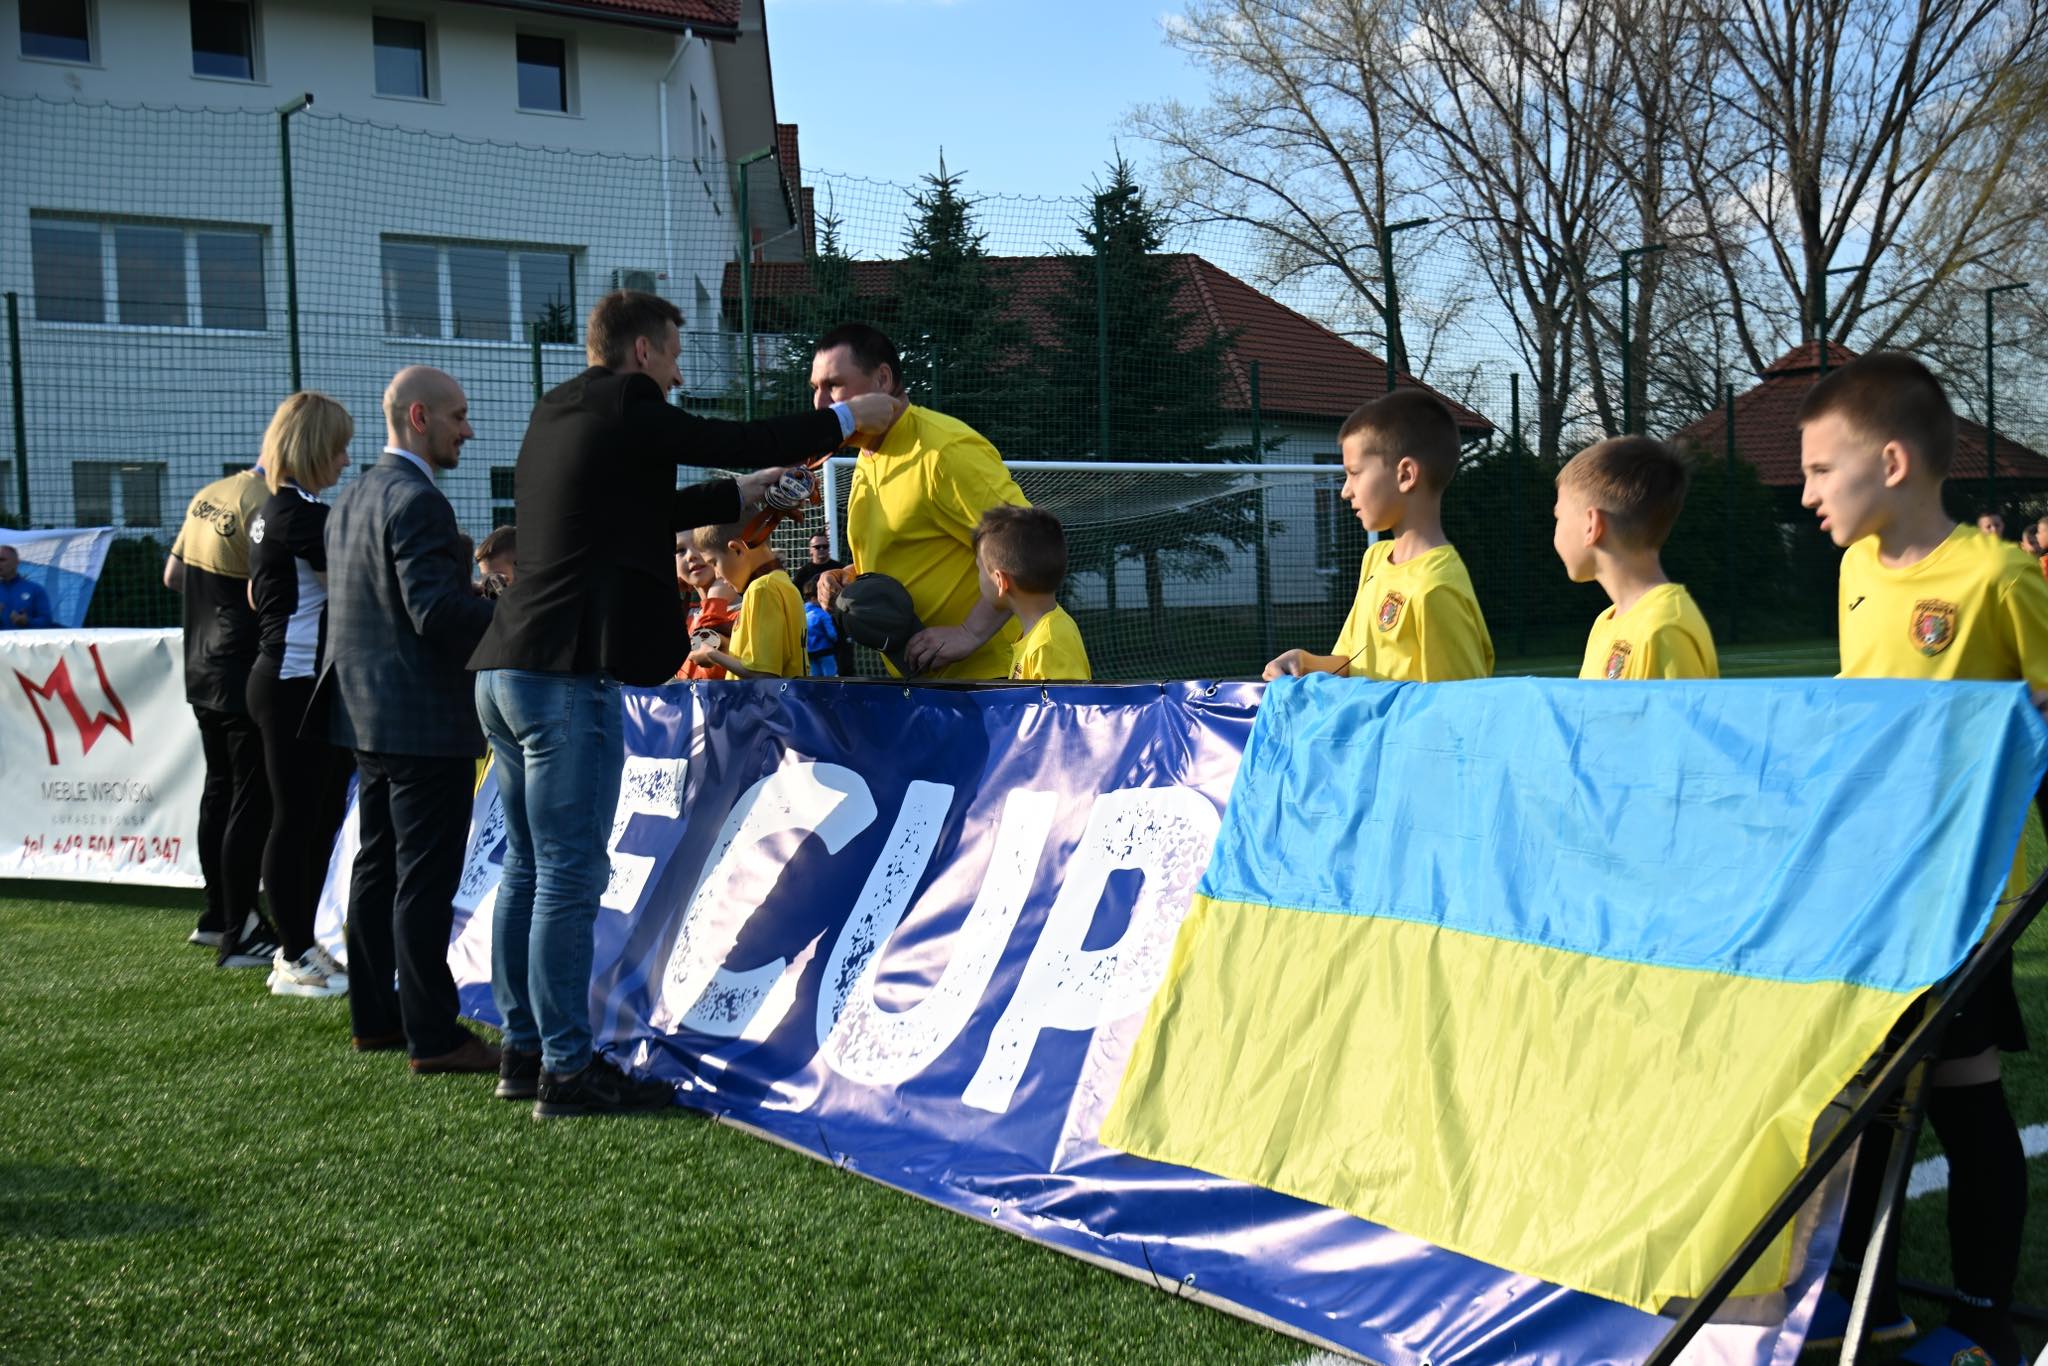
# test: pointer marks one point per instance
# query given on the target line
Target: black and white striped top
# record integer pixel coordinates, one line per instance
(288, 580)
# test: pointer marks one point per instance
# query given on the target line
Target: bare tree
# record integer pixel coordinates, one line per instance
(1880, 135)
(1301, 141)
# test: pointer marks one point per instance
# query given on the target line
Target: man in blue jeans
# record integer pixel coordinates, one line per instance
(595, 606)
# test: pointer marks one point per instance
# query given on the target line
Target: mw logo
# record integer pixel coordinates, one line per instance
(57, 688)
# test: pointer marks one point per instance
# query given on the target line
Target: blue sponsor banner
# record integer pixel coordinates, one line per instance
(914, 931)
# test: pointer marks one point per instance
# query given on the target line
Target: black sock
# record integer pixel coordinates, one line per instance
(1987, 1208)
(1866, 1182)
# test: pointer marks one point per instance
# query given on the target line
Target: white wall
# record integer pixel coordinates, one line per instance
(466, 165)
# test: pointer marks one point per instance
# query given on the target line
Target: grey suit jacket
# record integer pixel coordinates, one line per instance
(401, 620)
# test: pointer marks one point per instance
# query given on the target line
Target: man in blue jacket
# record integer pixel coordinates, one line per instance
(23, 605)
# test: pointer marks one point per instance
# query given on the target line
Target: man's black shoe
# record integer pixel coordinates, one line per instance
(600, 1089)
(518, 1075)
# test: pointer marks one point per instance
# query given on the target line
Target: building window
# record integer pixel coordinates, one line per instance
(474, 292)
(224, 39)
(58, 29)
(543, 73)
(154, 274)
(117, 493)
(504, 504)
(401, 48)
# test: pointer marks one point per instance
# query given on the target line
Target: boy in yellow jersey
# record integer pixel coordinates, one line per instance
(912, 507)
(1616, 502)
(768, 638)
(1922, 597)
(1021, 554)
(1415, 619)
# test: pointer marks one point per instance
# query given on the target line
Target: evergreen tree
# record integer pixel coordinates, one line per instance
(1164, 397)
(964, 350)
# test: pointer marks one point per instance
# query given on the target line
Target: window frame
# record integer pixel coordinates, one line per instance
(444, 291)
(571, 106)
(430, 55)
(92, 40)
(256, 75)
(110, 272)
(119, 514)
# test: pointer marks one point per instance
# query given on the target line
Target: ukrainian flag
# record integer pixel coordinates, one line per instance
(1562, 975)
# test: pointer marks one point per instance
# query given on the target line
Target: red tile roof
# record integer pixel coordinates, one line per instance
(1305, 369)
(1767, 430)
(718, 17)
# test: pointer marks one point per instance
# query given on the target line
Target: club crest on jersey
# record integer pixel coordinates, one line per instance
(1934, 626)
(1390, 610)
(256, 531)
(1617, 659)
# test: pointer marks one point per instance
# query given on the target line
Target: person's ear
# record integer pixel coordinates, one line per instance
(1898, 464)
(1407, 474)
(1596, 527)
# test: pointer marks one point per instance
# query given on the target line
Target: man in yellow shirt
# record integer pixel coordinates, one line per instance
(1416, 618)
(911, 512)
(1922, 597)
(1616, 503)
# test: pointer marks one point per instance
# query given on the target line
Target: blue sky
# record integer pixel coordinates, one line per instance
(1026, 96)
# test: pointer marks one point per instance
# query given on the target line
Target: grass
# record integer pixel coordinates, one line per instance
(193, 1169)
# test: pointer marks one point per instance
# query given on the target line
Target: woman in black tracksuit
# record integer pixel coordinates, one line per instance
(304, 453)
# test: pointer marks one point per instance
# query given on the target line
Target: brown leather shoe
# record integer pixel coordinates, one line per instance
(471, 1055)
(377, 1043)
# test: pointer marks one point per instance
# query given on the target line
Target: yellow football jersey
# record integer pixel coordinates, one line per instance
(1975, 608)
(911, 514)
(1051, 649)
(1662, 636)
(215, 533)
(1415, 622)
(769, 636)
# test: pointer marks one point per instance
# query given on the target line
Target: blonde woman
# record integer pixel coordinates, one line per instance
(304, 453)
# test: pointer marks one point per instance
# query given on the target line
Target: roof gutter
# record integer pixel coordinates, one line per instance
(566, 9)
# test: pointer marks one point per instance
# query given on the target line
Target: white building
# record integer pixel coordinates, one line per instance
(467, 169)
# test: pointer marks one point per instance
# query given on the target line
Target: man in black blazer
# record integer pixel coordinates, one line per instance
(595, 606)
(401, 622)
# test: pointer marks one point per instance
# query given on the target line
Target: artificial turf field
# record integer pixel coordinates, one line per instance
(193, 1169)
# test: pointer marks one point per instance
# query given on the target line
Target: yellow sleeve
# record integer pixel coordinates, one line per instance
(1056, 655)
(2024, 598)
(1451, 640)
(964, 480)
(760, 641)
(1351, 636)
(1670, 652)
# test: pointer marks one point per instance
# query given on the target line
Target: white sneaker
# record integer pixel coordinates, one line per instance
(305, 977)
(334, 971)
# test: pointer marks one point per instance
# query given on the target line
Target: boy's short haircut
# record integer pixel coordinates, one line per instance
(1638, 481)
(1028, 544)
(1889, 396)
(710, 538)
(1414, 424)
(503, 540)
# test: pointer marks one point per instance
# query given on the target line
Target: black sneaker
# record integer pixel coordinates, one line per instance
(251, 953)
(518, 1075)
(601, 1089)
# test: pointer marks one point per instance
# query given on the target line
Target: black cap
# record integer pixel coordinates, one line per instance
(875, 610)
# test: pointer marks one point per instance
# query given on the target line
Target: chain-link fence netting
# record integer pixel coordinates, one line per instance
(171, 274)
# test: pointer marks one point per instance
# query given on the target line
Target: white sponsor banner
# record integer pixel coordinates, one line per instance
(99, 757)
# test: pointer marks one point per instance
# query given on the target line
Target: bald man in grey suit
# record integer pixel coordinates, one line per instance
(401, 622)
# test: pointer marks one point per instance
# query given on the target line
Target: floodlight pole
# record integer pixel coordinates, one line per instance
(1390, 296)
(1991, 394)
(291, 250)
(739, 173)
(1821, 324)
(1628, 339)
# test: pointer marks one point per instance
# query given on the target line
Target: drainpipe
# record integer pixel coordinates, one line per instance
(668, 232)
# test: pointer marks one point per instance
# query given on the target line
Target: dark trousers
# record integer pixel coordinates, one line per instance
(308, 780)
(234, 818)
(414, 818)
